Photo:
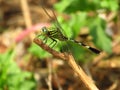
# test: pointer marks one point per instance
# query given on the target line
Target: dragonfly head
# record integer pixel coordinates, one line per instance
(44, 29)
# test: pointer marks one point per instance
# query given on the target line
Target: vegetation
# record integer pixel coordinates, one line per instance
(11, 76)
(93, 22)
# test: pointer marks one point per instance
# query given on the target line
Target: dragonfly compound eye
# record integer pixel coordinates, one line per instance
(44, 29)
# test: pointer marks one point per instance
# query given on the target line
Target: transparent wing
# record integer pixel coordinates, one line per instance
(57, 24)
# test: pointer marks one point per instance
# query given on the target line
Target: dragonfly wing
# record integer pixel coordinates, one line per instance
(59, 29)
(57, 24)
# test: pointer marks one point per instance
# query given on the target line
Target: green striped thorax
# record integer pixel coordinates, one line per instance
(54, 33)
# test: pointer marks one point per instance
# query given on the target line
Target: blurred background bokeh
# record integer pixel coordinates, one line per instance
(26, 66)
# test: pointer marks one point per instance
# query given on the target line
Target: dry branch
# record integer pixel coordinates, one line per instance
(69, 58)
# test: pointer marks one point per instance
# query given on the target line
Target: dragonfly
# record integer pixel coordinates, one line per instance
(55, 33)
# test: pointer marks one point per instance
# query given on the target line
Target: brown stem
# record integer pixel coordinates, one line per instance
(50, 50)
(77, 69)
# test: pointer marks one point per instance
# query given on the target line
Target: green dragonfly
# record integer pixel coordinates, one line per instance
(55, 33)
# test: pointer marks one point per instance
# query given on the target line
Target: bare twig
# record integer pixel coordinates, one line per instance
(26, 13)
(57, 81)
(49, 80)
(77, 69)
(50, 50)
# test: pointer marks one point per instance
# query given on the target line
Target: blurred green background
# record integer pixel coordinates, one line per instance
(24, 65)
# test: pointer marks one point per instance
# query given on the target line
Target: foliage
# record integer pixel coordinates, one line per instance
(79, 10)
(86, 5)
(37, 51)
(11, 77)
(100, 38)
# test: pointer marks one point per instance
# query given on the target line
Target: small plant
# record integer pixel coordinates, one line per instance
(11, 76)
(79, 9)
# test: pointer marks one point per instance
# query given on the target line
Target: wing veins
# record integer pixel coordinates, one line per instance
(56, 20)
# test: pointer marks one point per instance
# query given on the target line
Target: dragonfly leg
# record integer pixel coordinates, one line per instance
(45, 40)
(53, 43)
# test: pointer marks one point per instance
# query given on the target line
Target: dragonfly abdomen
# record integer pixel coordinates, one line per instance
(88, 47)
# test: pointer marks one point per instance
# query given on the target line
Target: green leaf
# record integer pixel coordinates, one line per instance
(97, 30)
(71, 28)
(77, 5)
(77, 22)
(11, 76)
(110, 4)
(59, 6)
(38, 51)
